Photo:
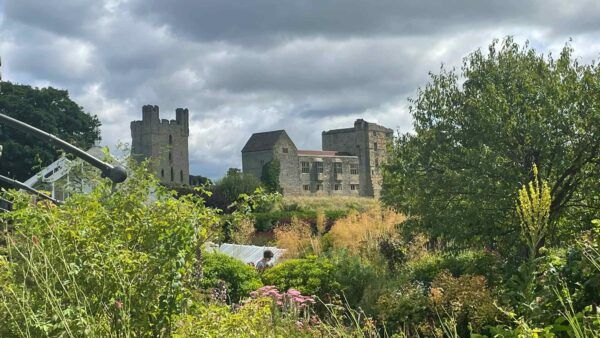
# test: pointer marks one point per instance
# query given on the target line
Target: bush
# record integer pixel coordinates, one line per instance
(227, 190)
(353, 274)
(466, 300)
(403, 307)
(240, 279)
(119, 261)
(311, 276)
(425, 268)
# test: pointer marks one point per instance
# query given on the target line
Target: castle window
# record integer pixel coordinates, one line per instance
(181, 176)
(170, 139)
(377, 162)
(172, 175)
(285, 150)
(353, 169)
(374, 133)
(319, 167)
(375, 146)
(306, 187)
(305, 167)
(337, 187)
(318, 187)
(353, 186)
(162, 172)
(170, 156)
(337, 167)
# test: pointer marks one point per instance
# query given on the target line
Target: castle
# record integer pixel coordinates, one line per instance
(165, 142)
(349, 164)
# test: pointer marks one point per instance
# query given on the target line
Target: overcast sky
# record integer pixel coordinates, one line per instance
(248, 66)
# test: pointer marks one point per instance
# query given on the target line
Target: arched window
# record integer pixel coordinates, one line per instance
(162, 172)
(181, 176)
(170, 139)
(172, 175)
(170, 156)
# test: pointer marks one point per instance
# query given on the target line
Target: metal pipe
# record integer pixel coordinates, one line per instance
(117, 174)
(20, 185)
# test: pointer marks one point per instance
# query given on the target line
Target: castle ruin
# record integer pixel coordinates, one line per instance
(349, 164)
(165, 142)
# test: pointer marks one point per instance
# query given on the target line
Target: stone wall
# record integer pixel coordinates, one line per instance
(287, 154)
(348, 184)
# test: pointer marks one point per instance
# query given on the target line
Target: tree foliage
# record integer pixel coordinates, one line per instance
(48, 109)
(270, 176)
(477, 134)
(227, 190)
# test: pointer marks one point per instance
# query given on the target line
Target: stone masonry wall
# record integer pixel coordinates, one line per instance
(324, 184)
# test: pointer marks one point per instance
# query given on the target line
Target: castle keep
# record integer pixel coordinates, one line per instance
(165, 142)
(349, 164)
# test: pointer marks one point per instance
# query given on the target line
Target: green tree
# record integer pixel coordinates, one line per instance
(227, 190)
(50, 110)
(270, 176)
(477, 134)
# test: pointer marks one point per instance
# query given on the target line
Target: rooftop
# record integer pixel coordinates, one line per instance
(263, 141)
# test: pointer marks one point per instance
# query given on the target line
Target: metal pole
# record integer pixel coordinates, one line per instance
(29, 189)
(117, 174)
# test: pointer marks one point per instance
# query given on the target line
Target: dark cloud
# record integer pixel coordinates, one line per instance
(247, 66)
(248, 22)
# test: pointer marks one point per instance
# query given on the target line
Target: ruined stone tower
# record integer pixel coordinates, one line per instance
(164, 142)
(369, 142)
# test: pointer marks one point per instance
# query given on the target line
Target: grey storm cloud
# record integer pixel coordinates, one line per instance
(247, 66)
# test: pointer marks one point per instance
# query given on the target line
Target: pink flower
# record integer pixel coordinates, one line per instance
(298, 299)
(253, 294)
(293, 292)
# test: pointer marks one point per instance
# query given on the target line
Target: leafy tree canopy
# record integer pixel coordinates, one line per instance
(270, 176)
(477, 134)
(227, 190)
(48, 109)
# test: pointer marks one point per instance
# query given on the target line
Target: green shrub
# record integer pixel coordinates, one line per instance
(119, 261)
(240, 278)
(352, 273)
(262, 317)
(471, 262)
(403, 307)
(465, 300)
(227, 190)
(311, 276)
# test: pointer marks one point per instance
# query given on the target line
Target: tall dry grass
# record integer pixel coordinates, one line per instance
(297, 238)
(359, 232)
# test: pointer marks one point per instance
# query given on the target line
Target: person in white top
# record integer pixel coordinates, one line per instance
(265, 262)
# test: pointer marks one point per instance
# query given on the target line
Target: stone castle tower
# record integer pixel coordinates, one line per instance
(369, 142)
(164, 142)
